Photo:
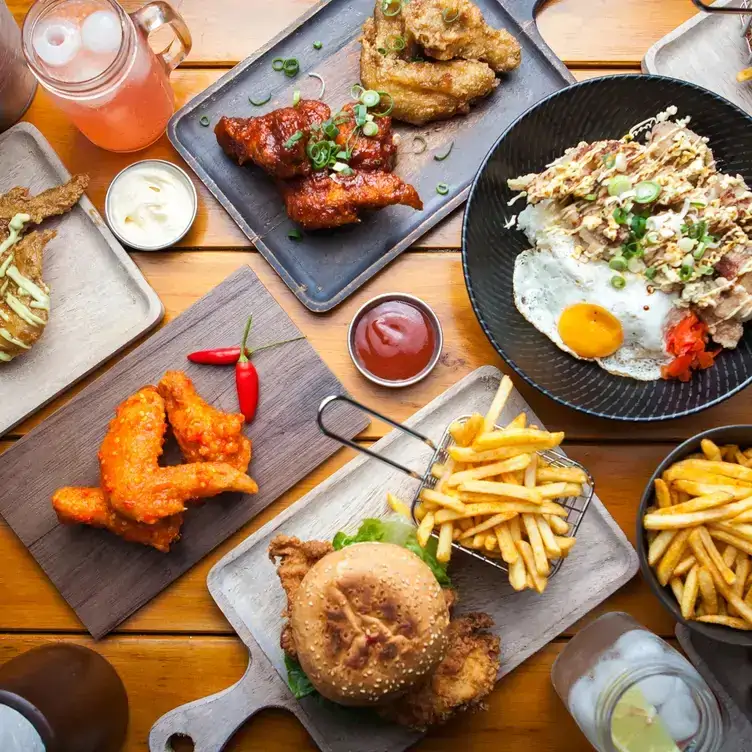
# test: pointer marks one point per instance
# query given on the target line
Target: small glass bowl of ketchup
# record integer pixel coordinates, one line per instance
(395, 340)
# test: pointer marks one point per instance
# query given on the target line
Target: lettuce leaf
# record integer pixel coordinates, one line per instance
(298, 681)
(401, 534)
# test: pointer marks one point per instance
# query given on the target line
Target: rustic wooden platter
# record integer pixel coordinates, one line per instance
(100, 300)
(244, 585)
(727, 669)
(708, 50)
(103, 578)
(324, 267)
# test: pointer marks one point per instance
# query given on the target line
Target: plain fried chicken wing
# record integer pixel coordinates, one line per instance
(49, 203)
(421, 91)
(460, 682)
(89, 506)
(134, 483)
(203, 433)
(321, 201)
(271, 141)
(466, 36)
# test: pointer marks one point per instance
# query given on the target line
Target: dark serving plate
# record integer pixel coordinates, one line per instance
(741, 435)
(592, 110)
(324, 267)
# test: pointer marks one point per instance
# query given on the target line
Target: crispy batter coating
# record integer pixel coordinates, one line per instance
(468, 36)
(262, 140)
(321, 201)
(49, 203)
(462, 681)
(203, 433)
(368, 152)
(89, 506)
(422, 91)
(134, 483)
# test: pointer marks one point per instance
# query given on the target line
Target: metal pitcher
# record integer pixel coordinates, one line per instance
(17, 84)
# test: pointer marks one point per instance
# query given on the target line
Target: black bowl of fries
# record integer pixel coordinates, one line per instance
(694, 533)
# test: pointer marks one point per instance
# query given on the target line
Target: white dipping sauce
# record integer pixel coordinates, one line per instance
(150, 205)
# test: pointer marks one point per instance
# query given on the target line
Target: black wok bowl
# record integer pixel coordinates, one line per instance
(592, 110)
(741, 435)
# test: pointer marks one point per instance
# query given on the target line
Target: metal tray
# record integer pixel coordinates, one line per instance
(100, 300)
(708, 50)
(245, 586)
(323, 268)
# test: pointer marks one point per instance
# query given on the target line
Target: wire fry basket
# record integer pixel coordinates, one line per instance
(575, 506)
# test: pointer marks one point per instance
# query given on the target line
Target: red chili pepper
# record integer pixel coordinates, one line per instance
(246, 379)
(221, 356)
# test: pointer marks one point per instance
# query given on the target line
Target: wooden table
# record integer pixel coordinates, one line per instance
(179, 647)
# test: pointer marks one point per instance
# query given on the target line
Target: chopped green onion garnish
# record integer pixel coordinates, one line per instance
(360, 113)
(639, 226)
(389, 107)
(391, 7)
(620, 215)
(705, 269)
(618, 282)
(204, 120)
(651, 271)
(293, 139)
(323, 84)
(590, 197)
(355, 91)
(618, 185)
(370, 129)
(421, 142)
(317, 45)
(330, 129)
(370, 98)
(450, 16)
(340, 166)
(295, 234)
(442, 189)
(647, 191)
(259, 102)
(295, 97)
(685, 272)
(342, 155)
(618, 263)
(442, 157)
(382, 50)
(278, 63)
(608, 161)
(291, 67)
(395, 43)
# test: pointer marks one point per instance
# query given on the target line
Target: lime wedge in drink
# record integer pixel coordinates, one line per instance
(637, 727)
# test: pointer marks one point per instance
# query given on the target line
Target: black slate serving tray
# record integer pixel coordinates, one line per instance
(324, 268)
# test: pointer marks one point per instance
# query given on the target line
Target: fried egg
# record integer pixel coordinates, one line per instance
(575, 305)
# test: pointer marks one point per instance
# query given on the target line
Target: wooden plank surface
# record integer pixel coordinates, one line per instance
(161, 673)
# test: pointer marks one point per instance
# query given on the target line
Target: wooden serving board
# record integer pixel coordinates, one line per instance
(324, 267)
(100, 300)
(103, 578)
(708, 50)
(245, 586)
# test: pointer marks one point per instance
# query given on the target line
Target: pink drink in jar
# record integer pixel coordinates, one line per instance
(96, 62)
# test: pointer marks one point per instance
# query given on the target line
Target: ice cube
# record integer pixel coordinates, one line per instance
(101, 32)
(680, 714)
(604, 672)
(581, 702)
(57, 42)
(638, 645)
(659, 689)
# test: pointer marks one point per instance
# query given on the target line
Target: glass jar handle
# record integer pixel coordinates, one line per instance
(156, 14)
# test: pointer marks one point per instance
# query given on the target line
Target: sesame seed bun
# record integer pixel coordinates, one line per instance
(369, 622)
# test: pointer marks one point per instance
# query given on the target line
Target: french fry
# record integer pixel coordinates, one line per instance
(503, 489)
(514, 529)
(694, 488)
(682, 471)
(729, 555)
(553, 474)
(662, 494)
(565, 545)
(728, 452)
(689, 596)
(559, 526)
(526, 552)
(497, 405)
(536, 543)
(553, 550)
(488, 524)
(678, 587)
(659, 545)
(425, 529)
(672, 557)
(707, 591)
(500, 507)
(506, 545)
(520, 462)
(398, 506)
(726, 621)
(470, 456)
(420, 511)
(443, 500)
(517, 573)
(734, 540)
(723, 608)
(711, 501)
(710, 450)
(512, 436)
(465, 433)
(448, 469)
(715, 555)
(437, 469)
(444, 548)
(476, 542)
(724, 469)
(657, 521)
(491, 544)
(558, 490)
(519, 422)
(530, 477)
(742, 572)
(684, 566)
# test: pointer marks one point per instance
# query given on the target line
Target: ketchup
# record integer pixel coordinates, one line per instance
(394, 340)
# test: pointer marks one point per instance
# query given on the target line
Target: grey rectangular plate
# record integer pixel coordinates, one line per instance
(100, 300)
(245, 586)
(325, 267)
(708, 50)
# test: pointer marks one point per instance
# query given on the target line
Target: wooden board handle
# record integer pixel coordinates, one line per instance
(211, 722)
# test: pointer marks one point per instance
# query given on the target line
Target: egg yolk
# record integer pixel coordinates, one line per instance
(590, 331)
